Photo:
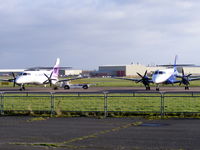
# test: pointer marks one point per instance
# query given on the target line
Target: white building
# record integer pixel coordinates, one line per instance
(131, 70)
(73, 72)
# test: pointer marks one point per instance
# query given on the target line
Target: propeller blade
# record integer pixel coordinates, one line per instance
(14, 79)
(49, 80)
(145, 73)
(144, 79)
(51, 74)
(46, 76)
(139, 81)
(13, 75)
(183, 72)
(45, 82)
(140, 75)
(185, 78)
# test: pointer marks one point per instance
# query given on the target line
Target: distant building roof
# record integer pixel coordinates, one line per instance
(12, 70)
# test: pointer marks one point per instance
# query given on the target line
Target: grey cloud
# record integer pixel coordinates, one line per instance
(88, 33)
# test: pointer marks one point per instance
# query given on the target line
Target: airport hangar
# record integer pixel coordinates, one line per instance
(131, 70)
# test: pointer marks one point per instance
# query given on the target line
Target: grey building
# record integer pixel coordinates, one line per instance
(122, 70)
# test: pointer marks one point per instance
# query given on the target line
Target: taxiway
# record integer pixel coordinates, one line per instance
(101, 89)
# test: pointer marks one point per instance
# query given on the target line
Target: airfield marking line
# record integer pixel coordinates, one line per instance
(68, 143)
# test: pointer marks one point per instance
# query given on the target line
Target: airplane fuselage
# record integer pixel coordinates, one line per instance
(166, 76)
(34, 77)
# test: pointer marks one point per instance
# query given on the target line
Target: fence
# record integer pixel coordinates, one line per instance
(161, 103)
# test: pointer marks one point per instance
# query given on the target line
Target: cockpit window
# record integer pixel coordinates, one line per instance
(25, 74)
(159, 72)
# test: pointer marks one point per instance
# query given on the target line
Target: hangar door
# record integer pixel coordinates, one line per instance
(121, 73)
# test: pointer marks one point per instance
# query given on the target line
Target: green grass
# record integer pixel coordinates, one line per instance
(106, 82)
(110, 82)
(174, 103)
(140, 103)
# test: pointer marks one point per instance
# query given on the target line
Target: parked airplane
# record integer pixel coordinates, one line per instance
(165, 76)
(41, 77)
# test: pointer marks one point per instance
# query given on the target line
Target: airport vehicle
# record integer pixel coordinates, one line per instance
(67, 86)
(165, 76)
(42, 77)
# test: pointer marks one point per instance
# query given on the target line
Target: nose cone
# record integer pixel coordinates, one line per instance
(19, 80)
(158, 79)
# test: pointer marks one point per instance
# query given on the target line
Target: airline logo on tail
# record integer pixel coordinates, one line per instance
(56, 69)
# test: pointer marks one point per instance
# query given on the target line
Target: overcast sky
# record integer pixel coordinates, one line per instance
(89, 33)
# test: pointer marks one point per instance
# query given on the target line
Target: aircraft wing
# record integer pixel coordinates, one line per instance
(135, 79)
(130, 79)
(6, 80)
(65, 80)
(193, 79)
(189, 79)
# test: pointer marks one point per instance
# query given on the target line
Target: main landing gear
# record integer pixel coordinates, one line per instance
(22, 87)
(148, 88)
(157, 87)
(187, 88)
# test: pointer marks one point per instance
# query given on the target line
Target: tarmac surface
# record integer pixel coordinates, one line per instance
(102, 89)
(37, 133)
(32, 133)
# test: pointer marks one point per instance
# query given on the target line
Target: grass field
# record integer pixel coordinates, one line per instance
(134, 103)
(110, 82)
(127, 103)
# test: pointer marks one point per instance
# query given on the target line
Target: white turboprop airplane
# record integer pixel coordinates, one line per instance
(42, 77)
(165, 76)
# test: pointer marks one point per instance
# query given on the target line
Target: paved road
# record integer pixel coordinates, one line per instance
(22, 133)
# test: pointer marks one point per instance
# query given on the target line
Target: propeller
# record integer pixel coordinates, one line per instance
(185, 78)
(144, 79)
(49, 80)
(13, 79)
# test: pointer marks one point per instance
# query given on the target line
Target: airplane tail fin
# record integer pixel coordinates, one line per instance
(56, 69)
(175, 65)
